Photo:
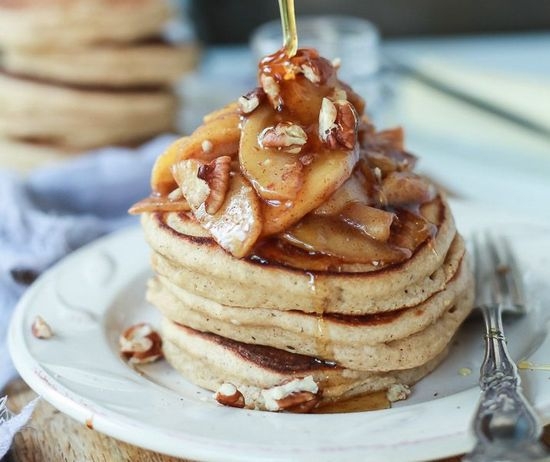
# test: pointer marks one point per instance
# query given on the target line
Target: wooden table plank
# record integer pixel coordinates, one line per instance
(53, 436)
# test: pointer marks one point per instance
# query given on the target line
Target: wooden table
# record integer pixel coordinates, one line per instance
(53, 436)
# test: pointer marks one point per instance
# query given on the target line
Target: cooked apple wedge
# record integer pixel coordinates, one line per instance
(237, 223)
(302, 99)
(275, 174)
(373, 222)
(227, 109)
(333, 237)
(218, 137)
(352, 191)
(326, 173)
(411, 229)
(173, 202)
(402, 188)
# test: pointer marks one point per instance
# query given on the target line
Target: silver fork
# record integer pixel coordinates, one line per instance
(505, 425)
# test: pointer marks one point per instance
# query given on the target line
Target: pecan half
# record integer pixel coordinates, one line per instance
(338, 123)
(251, 101)
(284, 136)
(140, 344)
(41, 329)
(228, 395)
(216, 174)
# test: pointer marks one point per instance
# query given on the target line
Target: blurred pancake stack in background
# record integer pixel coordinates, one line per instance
(78, 75)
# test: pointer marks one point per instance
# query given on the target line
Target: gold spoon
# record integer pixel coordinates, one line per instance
(288, 21)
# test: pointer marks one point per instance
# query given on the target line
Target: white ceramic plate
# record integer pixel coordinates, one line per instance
(92, 295)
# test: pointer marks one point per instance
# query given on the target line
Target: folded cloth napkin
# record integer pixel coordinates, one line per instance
(57, 209)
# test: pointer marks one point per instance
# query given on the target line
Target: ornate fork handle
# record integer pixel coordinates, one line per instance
(505, 425)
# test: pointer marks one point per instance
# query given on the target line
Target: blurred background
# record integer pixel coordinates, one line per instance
(222, 22)
(93, 91)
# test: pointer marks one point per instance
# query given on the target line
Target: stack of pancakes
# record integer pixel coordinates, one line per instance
(354, 332)
(79, 75)
(283, 312)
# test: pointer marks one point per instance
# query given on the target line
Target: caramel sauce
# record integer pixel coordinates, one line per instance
(323, 341)
(280, 66)
(368, 402)
(288, 20)
(408, 232)
(299, 98)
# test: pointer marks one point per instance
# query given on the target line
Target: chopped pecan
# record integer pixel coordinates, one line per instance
(284, 136)
(206, 146)
(140, 344)
(251, 101)
(228, 395)
(311, 72)
(338, 123)
(306, 159)
(301, 402)
(398, 392)
(339, 94)
(216, 174)
(272, 90)
(41, 329)
(296, 395)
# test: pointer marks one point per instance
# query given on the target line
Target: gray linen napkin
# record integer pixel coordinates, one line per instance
(52, 212)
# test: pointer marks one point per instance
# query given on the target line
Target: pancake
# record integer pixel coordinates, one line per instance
(196, 263)
(44, 24)
(116, 66)
(22, 156)
(81, 119)
(210, 360)
(397, 340)
(181, 306)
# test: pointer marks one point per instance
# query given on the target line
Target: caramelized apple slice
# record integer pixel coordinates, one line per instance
(331, 236)
(275, 174)
(351, 191)
(302, 98)
(326, 173)
(227, 109)
(373, 222)
(219, 137)
(173, 202)
(385, 150)
(404, 188)
(237, 224)
(411, 229)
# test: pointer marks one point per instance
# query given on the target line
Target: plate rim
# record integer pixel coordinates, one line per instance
(116, 424)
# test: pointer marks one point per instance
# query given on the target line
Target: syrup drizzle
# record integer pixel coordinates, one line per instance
(288, 21)
(367, 402)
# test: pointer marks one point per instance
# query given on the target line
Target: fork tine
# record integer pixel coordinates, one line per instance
(484, 292)
(500, 288)
(506, 274)
(513, 275)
